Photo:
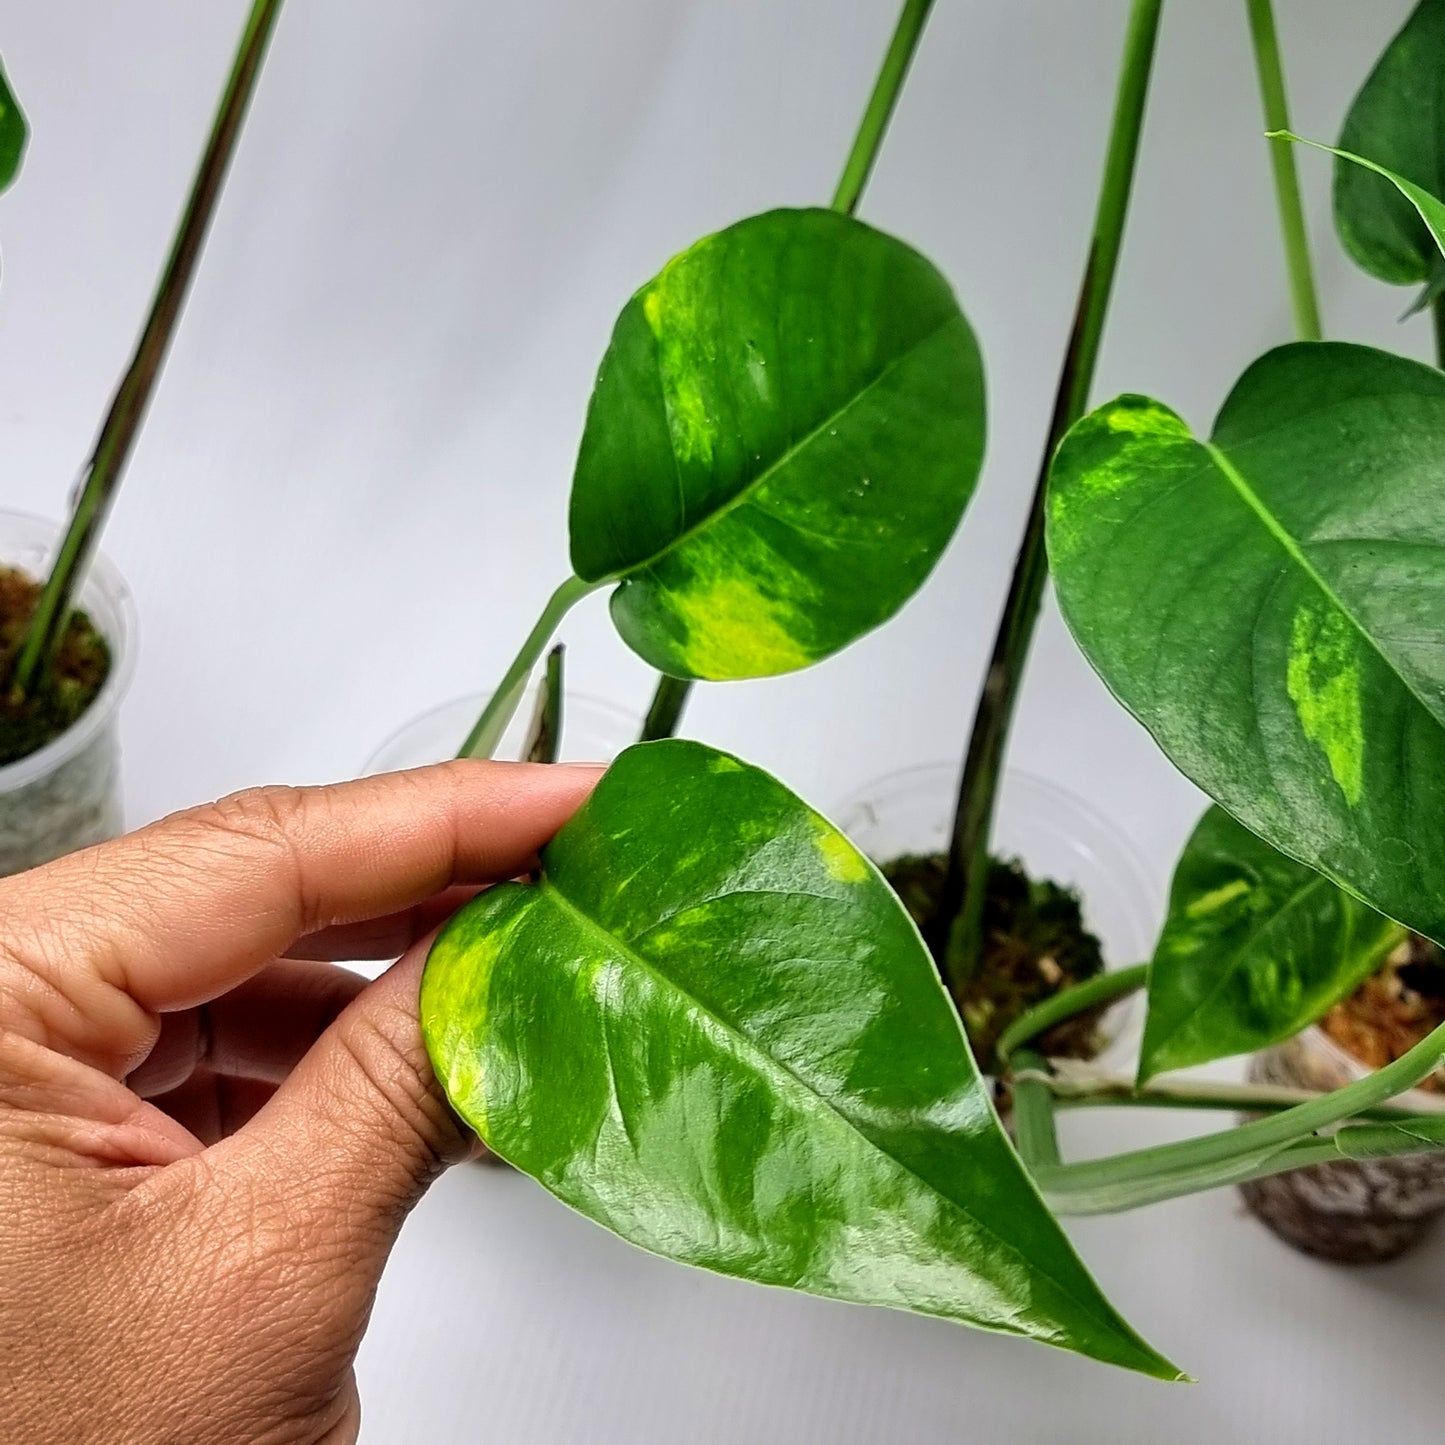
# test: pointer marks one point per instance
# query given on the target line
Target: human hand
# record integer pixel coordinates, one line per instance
(209, 1135)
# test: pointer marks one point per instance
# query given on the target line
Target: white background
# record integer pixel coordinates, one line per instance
(349, 504)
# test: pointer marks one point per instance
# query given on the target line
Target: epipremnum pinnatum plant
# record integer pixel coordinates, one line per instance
(1288, 660)
(708, 1023)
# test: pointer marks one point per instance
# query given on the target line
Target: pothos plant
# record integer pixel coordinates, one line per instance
(708, 1022)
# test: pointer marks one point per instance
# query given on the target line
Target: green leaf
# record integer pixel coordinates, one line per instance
(1396, 122)
(1271, 605)
(784, 432)
(1256, 946)
(712, 1028)
(13, 133)
(1430, 210)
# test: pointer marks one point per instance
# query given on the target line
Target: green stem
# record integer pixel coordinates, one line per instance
(672, 693)
(544, 741)
(128, 407)
(483, 739)
(666, 710)
(1101, 989)
(881, 103)
(1125, 1181)
(959, 934)
(1409, 1134)
(1087, 1089)
(1038, 1139)
(1286, 177)
(1437, 311)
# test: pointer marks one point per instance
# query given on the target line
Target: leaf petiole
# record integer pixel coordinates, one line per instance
(672, 693)
(487, 733)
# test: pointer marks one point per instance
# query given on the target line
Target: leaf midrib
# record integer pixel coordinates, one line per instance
(782, 460)
(1292, 549)
(780, 1072)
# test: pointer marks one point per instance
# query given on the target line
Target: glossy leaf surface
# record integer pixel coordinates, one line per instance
(1395, 121)
(1271, 604)
(13, 133)
(712, 1028)
(784, 433)
(1256, 946)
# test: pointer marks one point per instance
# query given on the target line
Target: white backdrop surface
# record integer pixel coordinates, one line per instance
(350, 501)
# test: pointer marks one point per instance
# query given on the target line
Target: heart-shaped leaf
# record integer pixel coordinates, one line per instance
(1271, 605)
(1255, 947)
(784, 432)
(1395, 122)
(13, 133)
(712, 1028)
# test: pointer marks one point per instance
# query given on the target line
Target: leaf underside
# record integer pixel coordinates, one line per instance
(784, 432)
(1271, 605)
(712, 1028)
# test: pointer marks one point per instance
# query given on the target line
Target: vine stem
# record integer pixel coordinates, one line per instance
(1082, 1087)
(881, 104)
(1437, 312)
(1303, 295)
(671, 695)
(957, 937)
(131, 401)
(1102, 988)
(666, 710)
(1285, 1140)
(487, 733)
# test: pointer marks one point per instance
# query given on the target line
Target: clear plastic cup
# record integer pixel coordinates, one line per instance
(66, 795)
(1052, 833)
(593, 731)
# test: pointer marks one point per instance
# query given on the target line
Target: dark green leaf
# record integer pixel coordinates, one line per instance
(13, 133)
(1430, 209)
(784, 433)
(1256, 946)
(1396, 121)
(1271, 604)
(712, 1028)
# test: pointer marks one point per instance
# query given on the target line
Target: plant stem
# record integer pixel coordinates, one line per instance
(483, 739)
(545, 739)
(1102, 988)
(1286, 178)
(1125, 1181)
(1088, 1089)
(128, 407)
(1038, 1139)
(1409, 1134)
(672, 693)
(879, 111)
(667, 705)
(958, 935)
(1437, 311)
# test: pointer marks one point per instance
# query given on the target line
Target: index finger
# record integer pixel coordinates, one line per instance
(181, 911)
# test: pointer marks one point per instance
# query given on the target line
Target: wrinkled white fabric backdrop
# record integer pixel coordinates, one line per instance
(350, 501)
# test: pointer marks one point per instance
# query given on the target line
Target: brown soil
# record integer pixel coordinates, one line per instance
(1035, 945)
(1394, 1009)
(79, 671)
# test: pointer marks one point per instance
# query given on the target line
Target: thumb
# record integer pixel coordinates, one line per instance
(361, 1127)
